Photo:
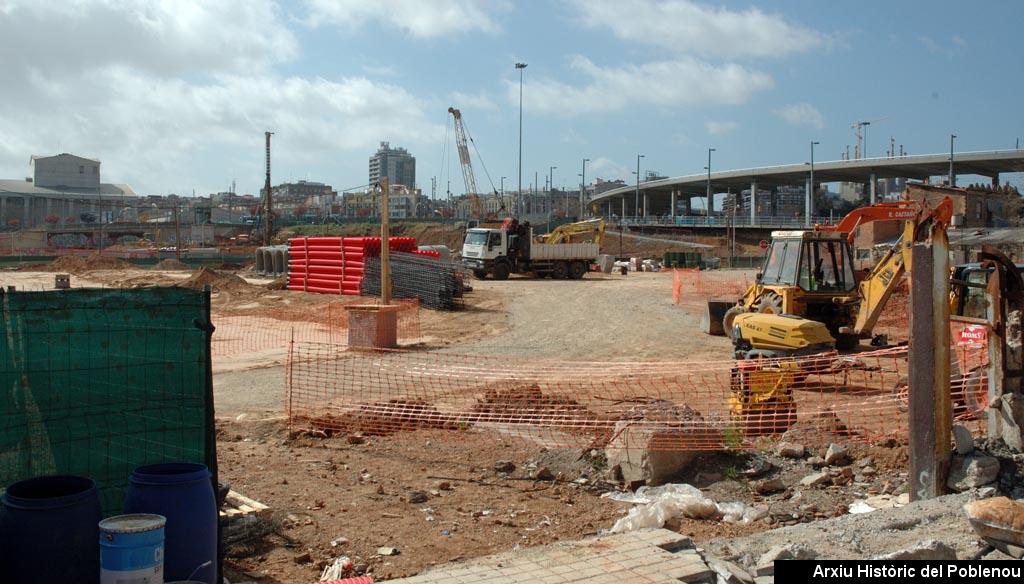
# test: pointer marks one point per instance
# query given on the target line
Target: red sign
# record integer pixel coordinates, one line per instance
(973, 335)
(763, 244)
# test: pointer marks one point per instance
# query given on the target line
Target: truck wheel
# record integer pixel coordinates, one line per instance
(577, 270)
(500, 271)
(560, 270)
(479, 274)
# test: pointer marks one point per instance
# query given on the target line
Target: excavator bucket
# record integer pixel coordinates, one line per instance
(714, 313)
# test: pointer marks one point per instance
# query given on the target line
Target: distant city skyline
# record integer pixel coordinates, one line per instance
(181, 100)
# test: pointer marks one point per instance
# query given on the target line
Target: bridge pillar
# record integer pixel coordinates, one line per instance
(645, 204)
(26, 212)
(808, 202)
(753, 202)
(675, 195)
(873, 188)
(995, 179)
(623, 206)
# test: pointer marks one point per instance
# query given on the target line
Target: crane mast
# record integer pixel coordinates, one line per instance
(463, 146)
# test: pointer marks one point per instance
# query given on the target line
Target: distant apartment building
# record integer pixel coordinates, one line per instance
(394, 163)
(304, 196)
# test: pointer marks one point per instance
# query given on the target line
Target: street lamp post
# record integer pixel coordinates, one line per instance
(809, 207)
(707, 200)
(551, 188)
(519, 192)
(952, 177)
(583, 186)
(636, 195)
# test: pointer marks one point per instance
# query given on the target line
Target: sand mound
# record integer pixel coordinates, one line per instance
(278, 284)
(171, 264)
(213, 279)
(80, 264)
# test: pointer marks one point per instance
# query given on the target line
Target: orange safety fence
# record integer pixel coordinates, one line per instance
(695, 286)
(670, 405)
(271, 331)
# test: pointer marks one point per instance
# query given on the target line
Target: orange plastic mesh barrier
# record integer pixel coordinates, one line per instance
(894, 322)
(666, 405)
(692, 286)
(270, 331)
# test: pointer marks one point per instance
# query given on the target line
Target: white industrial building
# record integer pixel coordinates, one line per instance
(63, 189)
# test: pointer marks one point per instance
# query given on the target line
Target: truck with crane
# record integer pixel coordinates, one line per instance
(511, 248)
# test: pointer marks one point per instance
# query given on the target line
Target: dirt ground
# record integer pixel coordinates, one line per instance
(355, 491)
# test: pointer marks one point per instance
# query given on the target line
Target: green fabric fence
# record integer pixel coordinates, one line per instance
(97, 382)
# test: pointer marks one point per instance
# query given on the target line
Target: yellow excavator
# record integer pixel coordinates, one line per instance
(806, 300)
(589, 231)
(806, 295)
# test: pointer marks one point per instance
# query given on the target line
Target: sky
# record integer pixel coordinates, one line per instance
(174, 96)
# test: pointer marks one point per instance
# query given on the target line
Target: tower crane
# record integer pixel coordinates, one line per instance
(861, 133)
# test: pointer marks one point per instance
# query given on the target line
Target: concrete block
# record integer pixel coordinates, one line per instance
(973, 470)
(963, 439)
(634, 456)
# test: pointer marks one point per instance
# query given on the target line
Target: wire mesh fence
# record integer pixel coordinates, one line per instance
(669, 405)
(435, 283)
(693, 286)
(269, 332)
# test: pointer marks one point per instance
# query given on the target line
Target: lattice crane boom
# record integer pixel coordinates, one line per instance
(463, 145)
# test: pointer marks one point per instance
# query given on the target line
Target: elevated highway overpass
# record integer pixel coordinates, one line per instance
(670, 200)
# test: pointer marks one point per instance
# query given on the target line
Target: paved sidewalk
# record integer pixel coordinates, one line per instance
(655, 556)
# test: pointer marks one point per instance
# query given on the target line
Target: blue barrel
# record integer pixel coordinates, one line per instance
(183, 493)
(132, 549)
(48, 530)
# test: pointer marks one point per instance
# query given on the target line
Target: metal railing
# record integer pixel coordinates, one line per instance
(700, 221)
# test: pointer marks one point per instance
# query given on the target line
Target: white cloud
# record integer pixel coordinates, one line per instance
(160, 37)
(688, 27)
(188, 100)
(419, 18)
(473, 101)
(956, 44)
(607, 169)
(802, 114)
(718, 128)
(680, 82)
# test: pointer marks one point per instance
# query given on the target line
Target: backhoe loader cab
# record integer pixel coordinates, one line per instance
(809, 273)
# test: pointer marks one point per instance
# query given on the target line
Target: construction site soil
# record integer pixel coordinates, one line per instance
(434, 494)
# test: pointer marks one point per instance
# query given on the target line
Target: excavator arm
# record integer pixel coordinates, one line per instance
(565, 233)
(899, 210)
(876, 288)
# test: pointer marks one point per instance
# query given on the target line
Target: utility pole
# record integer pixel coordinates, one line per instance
(519, 193)
(177, 231)
(707, 201)
(810, 190)
(636, 195)
(268, 220)
(583, 186)
(385, 243)
(952, 177)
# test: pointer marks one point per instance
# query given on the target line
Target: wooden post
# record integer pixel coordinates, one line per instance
(930, 414)
(385, 244)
